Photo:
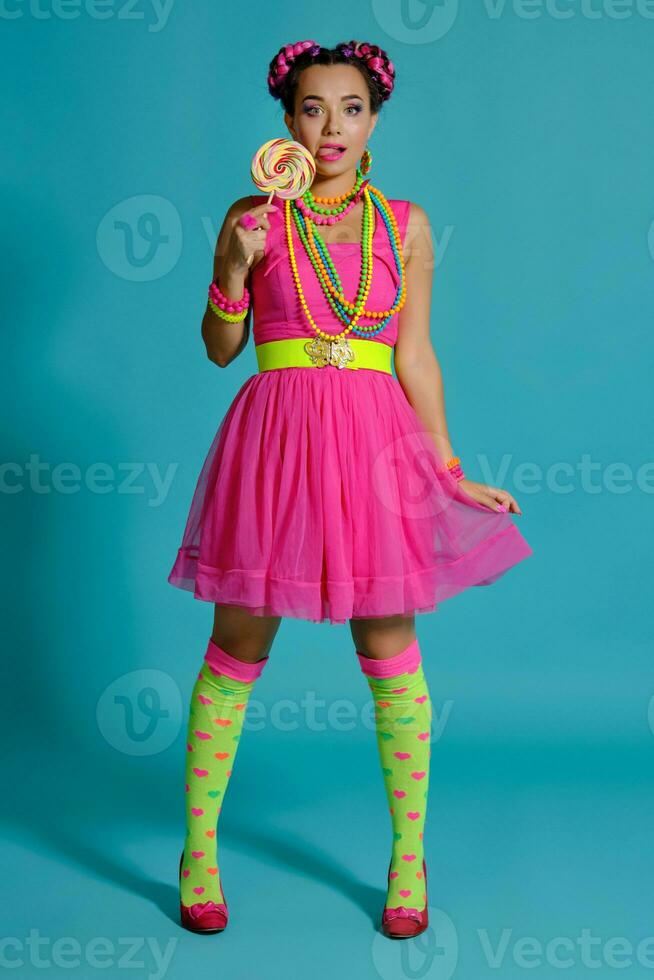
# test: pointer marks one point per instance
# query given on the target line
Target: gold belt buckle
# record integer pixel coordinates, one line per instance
(335, 352)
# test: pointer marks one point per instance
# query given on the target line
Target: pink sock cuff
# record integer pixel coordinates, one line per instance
(406, 661)
(222, 662)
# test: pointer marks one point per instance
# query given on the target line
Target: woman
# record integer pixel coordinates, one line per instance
(331, 491)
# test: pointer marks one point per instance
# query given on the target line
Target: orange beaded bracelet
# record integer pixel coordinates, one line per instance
(454, 466)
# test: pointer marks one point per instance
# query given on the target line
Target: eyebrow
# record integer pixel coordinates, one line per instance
(320, 99)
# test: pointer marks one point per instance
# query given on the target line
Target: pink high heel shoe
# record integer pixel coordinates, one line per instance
(202, 916)
(402, 922)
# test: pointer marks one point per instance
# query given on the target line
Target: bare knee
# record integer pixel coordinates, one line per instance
(242, 634)
(384, 636)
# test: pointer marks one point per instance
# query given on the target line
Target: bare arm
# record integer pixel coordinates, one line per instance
(224, 340)
(416, 364)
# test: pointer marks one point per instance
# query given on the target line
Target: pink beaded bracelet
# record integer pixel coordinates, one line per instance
(227, 304)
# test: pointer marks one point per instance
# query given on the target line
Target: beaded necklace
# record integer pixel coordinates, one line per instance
(337, 207)
(334, 293)
(349, 313)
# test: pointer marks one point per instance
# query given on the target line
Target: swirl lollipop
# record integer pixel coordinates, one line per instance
(283, 167)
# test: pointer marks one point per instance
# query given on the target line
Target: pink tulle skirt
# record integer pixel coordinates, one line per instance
(323, 498)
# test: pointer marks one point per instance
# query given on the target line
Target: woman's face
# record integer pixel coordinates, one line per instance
(332, 105)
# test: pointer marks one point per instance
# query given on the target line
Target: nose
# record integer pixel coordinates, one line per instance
(331, 126)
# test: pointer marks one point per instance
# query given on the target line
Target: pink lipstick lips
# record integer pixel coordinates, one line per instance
(330, 151)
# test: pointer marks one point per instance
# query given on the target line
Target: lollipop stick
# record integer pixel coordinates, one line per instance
(272, 194)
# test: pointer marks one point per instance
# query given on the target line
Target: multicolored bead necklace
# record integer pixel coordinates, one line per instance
(337, 207)
(347, 312)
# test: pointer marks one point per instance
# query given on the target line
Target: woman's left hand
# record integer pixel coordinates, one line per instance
(491, 496)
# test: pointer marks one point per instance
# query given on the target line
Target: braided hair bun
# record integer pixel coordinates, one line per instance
(282, 63)
(375, 60)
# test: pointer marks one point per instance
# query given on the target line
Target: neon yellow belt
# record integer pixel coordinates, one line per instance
(344, 353)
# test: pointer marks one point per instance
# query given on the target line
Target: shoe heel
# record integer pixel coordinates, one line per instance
(202, 917)
(403, 922)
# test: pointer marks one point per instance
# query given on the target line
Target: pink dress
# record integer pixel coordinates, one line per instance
(322, 497)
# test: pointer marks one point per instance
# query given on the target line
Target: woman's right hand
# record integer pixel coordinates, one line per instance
(244, 244)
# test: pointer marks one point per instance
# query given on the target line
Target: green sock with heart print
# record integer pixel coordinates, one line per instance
(403, 726)
(218, 704)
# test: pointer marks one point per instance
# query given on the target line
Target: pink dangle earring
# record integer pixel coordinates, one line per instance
(366, 161)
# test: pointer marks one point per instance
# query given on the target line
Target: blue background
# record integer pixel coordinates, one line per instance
(526, 135)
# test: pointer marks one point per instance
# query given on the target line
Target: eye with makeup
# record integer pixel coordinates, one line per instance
(357, 109)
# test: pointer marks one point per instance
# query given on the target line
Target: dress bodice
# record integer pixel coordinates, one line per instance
(276, 306)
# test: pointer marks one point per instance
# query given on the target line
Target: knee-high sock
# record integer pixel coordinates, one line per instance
(403, 722)
(218, 703)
